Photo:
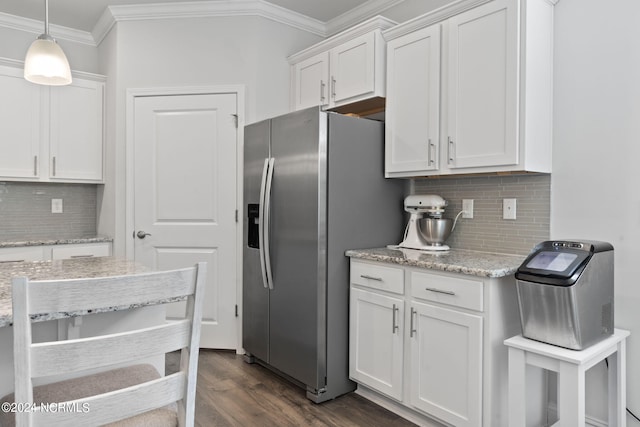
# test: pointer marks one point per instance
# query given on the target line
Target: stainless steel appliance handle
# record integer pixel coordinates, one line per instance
(267, 222)
(440, 291)
(263, 185)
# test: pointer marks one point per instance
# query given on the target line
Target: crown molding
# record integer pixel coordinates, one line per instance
(201, 9)
(213, 8)
(358, 14)
(376, 23)
(37, 27)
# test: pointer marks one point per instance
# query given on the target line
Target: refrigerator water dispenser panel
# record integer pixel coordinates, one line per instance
(253, 216)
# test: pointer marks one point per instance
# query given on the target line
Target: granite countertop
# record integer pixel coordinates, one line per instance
(17, 244)
(461, 261)
(60, 269)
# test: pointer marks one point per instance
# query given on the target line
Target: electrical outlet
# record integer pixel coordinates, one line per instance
(509, 209)
(467, 208)
(56, 205)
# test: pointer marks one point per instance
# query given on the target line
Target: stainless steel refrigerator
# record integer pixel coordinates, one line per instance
(314, 187)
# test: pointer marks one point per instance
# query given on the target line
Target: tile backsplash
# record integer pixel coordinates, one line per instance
(25, 211)
(487, 231)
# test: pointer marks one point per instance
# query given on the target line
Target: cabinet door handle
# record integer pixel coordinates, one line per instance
(432, 152)
(394, 324)
(81, 256)
(451, 149)
(412, 330)
(333, 88)
(11, 260)
(54, 165)
(440, 291)
(377, 279)
(35, 165)
(432, 146)
(322, 86)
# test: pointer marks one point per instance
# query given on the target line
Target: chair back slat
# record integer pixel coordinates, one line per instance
(72, 357)
(63, 357)
(107, 407)
(59, 296)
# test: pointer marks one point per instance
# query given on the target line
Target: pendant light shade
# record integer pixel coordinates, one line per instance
(46, 63)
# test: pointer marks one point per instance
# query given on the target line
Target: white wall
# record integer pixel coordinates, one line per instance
(242, 50)
(596, 157)
(15, 43)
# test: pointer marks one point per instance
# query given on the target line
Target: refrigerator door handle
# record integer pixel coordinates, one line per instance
(267, 222)
(261, 214)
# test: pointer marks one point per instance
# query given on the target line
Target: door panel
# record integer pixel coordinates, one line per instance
(483, 86)
(255, 296)
(413, 101)
(185, 197)
(298, 229)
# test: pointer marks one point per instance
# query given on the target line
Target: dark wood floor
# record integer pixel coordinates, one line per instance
(234, 393)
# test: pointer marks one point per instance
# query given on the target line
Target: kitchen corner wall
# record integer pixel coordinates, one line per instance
(487, 231)
(25, 211)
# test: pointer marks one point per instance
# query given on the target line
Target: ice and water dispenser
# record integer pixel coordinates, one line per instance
(565, 293)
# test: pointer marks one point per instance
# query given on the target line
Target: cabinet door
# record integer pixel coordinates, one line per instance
(76, 131)
(446, 364)
(482, 87)
(20, 254)
(413, 102)
(311, 82)
(81, 251)
(353, 68)
(375, 344)
(20, 128)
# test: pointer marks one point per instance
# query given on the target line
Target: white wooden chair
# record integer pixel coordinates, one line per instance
(130, 396)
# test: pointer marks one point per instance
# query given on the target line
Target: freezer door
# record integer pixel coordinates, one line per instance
(298, 247)
(255, 297)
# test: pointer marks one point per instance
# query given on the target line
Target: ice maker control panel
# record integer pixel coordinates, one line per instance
(253, 219)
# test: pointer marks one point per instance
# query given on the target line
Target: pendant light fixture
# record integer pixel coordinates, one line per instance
(46, 63)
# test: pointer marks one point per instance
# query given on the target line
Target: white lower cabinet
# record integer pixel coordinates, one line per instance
(54, 252)
(376, 345)
(88, 250)
(428, 344)
(446, 364)
(20, 254)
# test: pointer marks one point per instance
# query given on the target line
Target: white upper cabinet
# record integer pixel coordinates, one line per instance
(311, 77)
(413, 110)
(76, 131)
(51, 133)
(345, 69)
(470, 90)
(20, 132)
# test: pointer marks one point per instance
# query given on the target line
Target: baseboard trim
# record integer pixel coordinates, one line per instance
(397, 408)
(589, 421)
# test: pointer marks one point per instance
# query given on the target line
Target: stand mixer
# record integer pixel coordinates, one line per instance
(428, 233)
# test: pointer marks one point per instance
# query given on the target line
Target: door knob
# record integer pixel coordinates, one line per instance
(142, 234)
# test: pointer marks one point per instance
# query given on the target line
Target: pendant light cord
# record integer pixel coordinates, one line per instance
(46, 17)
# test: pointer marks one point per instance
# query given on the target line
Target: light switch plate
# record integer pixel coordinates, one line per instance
(509, 209)
(467, 208)
(56, 205)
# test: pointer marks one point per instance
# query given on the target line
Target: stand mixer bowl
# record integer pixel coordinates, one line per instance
(435, 230)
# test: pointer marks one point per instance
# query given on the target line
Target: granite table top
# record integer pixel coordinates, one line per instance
(61, 269)
(47, 242)
(461, 261)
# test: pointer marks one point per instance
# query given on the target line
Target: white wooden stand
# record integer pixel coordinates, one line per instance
(571, 366)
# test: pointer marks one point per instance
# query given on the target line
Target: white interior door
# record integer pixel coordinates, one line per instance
(185, 198)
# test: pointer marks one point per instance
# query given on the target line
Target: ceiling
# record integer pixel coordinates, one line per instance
(83, 14)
